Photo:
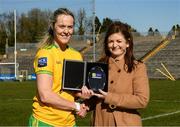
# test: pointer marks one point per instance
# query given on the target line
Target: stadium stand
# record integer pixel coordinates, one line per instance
(170, 55)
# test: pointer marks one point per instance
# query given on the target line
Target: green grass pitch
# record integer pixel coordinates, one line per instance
(163, 109)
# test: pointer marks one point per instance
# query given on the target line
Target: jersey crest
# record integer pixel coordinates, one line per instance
(42, 62)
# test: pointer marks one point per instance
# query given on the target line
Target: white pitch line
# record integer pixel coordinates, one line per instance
(161, 115)
(176, 101)
(18, 99)
(22, 99)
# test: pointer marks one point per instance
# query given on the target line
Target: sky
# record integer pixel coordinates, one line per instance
(140, 14)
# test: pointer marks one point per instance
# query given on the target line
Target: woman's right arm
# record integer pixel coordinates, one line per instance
(47, 96)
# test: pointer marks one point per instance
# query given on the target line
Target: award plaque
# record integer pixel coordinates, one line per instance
(96, 76)
(73, 75)
(78, 73)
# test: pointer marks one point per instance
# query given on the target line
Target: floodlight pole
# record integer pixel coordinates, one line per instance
(94, 34)
(15, 51)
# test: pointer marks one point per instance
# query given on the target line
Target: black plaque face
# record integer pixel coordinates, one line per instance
(96, 78)
(73, 75)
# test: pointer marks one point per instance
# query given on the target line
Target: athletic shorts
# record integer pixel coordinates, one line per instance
(33, 122)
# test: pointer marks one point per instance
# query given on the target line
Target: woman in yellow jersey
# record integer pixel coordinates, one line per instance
(52, 106)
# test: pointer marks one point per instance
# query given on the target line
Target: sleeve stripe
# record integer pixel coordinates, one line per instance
(44, 72)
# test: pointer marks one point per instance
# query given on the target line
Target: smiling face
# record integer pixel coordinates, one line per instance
(117, 45)
(63, 29)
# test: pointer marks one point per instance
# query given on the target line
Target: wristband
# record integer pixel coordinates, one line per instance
(78, 107)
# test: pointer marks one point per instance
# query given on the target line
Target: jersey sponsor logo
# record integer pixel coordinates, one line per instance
(42, 62)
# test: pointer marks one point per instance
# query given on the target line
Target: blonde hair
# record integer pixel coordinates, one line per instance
(48, 38)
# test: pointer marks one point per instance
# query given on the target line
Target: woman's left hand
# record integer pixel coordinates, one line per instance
(102, 94)
(85, 93)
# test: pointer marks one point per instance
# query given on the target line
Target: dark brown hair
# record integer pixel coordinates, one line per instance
(117, 27)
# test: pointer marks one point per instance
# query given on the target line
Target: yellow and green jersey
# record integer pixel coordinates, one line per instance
(49, 60)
